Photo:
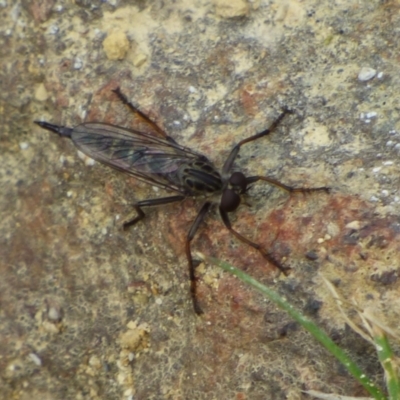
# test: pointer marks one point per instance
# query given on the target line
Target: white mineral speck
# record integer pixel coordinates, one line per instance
(376, 169)
(387, 162)
(53, 314)
(87, 160)
(192, 89)
(23, 145)
(366, 74)
(371, 114)
(53, 29)
(35, 359)
(380, 75)
(389, 143)
(354, 225)
(374, 199)
(385, 193)
(78, 63)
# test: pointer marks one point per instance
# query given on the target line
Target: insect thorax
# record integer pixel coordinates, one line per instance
(200, 177)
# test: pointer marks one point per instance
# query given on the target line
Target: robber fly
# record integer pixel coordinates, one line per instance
(154, 157)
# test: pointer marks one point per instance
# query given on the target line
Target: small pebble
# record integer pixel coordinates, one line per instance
(53, 314)
(116, 45)
(354, 225)
(366, 74)
(87, 160)
(312, 255)
(366, 117)
(41, 93)
(371, 114)
(23, 145)
(139, 58)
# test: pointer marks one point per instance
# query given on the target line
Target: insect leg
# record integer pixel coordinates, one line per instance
(268, 256)
(193, 229)
(148, 203)
(142, 115)
(290, 189)
(232, 156)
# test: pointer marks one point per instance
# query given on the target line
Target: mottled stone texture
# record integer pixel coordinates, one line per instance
(88, 311)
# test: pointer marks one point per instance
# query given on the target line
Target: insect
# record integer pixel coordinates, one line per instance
(152, 156)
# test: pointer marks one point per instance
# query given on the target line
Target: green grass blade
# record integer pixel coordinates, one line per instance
(306, 323)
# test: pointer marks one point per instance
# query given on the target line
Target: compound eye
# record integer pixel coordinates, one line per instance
(238, 180)
(230, 200)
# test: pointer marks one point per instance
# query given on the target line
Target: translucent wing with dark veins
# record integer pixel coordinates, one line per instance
(149, 158)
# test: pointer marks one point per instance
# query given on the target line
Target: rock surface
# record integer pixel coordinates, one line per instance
(74, 285)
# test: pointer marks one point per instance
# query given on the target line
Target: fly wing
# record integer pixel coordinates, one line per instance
(149, 158)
